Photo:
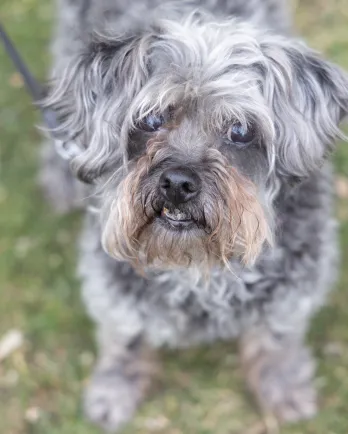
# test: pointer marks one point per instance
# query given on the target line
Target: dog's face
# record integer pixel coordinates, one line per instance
(192, 127)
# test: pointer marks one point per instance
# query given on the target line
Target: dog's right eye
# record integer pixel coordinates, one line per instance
(152, 122)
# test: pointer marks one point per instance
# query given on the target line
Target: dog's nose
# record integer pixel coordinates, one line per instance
(179, 185)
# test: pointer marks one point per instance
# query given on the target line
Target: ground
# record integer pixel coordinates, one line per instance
(200, 391)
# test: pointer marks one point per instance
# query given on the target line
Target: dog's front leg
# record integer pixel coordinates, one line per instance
(119, 382)
(279, 371)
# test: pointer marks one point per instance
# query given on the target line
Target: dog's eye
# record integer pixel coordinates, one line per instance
(240, 134)
(152, 122)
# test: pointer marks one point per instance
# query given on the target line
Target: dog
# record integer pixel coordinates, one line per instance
(199, 135)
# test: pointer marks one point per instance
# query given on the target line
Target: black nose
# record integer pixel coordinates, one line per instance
(179, 185)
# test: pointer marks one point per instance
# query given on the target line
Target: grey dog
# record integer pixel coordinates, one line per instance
(201, 133)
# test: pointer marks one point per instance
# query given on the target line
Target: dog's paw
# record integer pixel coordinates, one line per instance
(289, 402)
(110, 401)
(283, 385)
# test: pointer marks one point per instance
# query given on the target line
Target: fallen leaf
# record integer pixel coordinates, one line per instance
(10, 342)
(32, 414)
(342, 187)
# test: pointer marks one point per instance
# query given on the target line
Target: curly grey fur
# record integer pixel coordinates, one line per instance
(218, 61)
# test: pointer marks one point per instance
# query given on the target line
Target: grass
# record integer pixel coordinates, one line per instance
(201, 391)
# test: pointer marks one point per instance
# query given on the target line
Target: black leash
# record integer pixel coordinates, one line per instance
(37, 93)
(31, 83)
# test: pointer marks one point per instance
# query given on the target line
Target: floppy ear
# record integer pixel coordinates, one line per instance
(309, 98)
(91, 99)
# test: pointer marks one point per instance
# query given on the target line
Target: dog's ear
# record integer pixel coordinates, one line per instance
(91, 98)
(309, 98)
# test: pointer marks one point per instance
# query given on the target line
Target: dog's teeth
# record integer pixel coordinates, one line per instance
(174, 215)
(165, 212)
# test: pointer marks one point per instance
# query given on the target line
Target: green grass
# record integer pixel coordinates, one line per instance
(200, 391)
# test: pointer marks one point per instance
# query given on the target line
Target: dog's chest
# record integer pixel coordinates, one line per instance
(179, 313)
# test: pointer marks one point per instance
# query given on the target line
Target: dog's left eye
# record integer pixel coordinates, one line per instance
(152, 122)
(240, 134)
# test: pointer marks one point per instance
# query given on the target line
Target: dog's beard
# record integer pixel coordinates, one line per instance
(227, 221)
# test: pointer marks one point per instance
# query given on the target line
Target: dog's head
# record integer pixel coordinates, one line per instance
(191, 126)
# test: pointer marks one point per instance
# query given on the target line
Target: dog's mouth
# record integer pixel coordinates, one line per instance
(176, 219)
